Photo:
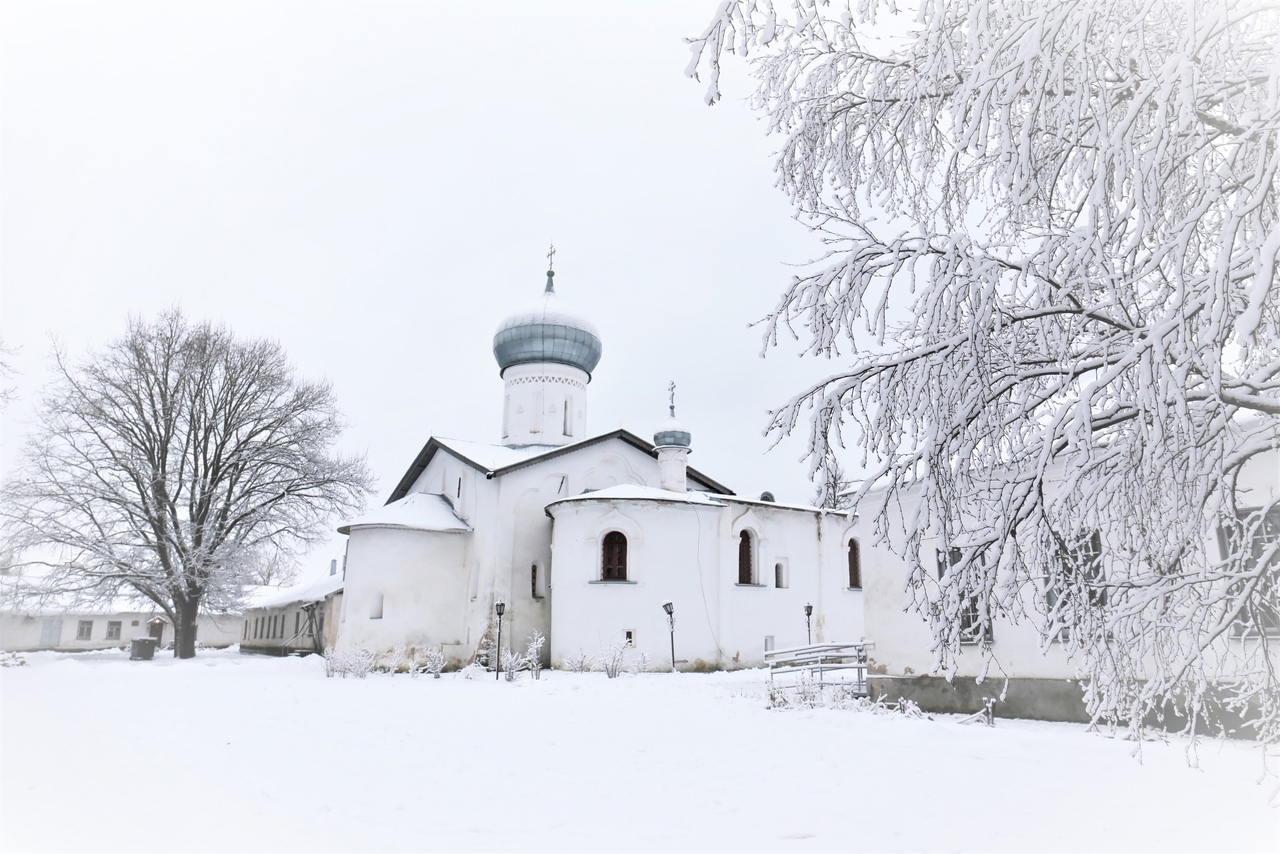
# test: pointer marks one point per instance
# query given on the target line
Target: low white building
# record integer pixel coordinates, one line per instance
(31, 622)
(295, 620)
(584, 538)
(1029, 664)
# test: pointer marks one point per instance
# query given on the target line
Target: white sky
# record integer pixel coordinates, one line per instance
(374, 185)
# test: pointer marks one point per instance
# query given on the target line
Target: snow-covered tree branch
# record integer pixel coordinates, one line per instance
(1051, 280)
(166, 465)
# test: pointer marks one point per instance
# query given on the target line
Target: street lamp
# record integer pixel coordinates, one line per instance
(808, 625)
(500, 608)
(671, 624)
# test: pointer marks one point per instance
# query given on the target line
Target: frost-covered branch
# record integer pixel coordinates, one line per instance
(1051, 274)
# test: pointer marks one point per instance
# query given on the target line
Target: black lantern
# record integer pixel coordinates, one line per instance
(499, 608)
(808, 625)
(671, 624)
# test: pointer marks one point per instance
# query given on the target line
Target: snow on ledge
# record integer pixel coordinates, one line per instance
(418, 511)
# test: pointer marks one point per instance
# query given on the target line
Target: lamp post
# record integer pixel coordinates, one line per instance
(500, 608)
(808, 625)
(671, 624)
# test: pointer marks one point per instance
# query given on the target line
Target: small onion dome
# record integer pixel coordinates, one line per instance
(672, 434)
(547, 332)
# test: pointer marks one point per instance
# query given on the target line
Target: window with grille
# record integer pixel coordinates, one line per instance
(1077, 584)
(613, 560)
(970, 618)
(1258, 614)
(746, 562)
(855, 566)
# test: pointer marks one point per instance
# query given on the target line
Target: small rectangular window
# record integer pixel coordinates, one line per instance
(629, 636)
(375, 607)
(84, 630)
(113, 630)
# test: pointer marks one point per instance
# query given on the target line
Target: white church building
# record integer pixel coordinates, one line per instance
(584, 538)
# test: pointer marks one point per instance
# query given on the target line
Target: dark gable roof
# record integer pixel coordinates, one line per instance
(429, 450)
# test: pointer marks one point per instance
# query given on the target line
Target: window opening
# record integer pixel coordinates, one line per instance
(855, 566)
(375, 608)
(970, 619)
(533, 581)
(1078, 578)
(84, 630)
(614, 557)
(745, 573)
(1260, 613)
(113, 630)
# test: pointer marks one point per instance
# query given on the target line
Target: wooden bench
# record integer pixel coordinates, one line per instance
(825, 663)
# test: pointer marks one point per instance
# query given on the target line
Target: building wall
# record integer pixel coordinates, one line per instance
(687, 553)
(1042, 679)
(404, 588)
(20, 632)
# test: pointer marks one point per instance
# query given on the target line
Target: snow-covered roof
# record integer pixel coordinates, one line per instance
(420, 511)
(635, 492)
(314, 590)
(494, 457)
(497, 460)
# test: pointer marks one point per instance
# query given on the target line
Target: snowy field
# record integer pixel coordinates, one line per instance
(238, 753)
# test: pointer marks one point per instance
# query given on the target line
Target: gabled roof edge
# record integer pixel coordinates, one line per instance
(428, 451)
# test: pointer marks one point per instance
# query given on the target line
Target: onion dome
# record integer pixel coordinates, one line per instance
(547, 332)
(672, 434)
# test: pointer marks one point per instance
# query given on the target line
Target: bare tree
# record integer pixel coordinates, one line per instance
(1051, 274)
(832, 488)
(6, 374)
(167, 462)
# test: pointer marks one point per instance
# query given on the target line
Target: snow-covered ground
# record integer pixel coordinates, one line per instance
(234, 753)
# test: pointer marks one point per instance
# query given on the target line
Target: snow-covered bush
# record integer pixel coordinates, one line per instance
(398, 659)
(512, 664)
(579, 662)
(433, 662)
(611, 658)
(474, 670)
(639, 664)
(533, 654)
(353, 662)
(485, 649)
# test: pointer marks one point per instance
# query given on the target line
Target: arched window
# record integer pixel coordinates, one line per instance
(855, 566)
(746, 573)
(613, 560)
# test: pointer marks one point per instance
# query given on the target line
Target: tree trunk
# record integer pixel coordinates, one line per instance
(184, 628)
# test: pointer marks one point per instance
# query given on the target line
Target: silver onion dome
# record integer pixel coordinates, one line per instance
(672, 434)
(547, 332)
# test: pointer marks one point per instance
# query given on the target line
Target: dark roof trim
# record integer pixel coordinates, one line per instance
(429, 450)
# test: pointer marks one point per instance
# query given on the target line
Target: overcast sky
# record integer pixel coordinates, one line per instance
(375, 184)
